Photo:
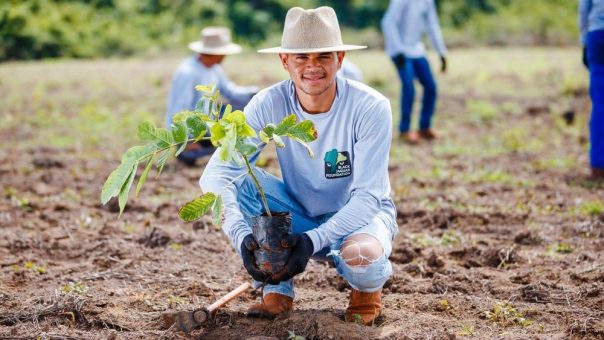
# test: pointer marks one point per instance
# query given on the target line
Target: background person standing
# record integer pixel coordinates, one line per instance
(403, 24)
(204, 69)
(591, 23)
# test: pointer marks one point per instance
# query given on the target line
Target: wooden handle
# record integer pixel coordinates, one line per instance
(228, 297)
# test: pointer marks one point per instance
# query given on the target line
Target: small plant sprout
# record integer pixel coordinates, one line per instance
(174, 301)
(228, 130)
(506, 315)
(293, 336)
(34, 267)
(466, 330)
(74, 288)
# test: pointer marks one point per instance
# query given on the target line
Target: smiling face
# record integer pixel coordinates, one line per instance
(313, 74)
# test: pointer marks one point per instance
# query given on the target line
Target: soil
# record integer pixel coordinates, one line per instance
(71, 269)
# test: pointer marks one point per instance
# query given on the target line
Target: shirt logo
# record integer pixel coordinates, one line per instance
(337, 164)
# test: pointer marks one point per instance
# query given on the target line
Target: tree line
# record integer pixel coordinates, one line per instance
(35, 29)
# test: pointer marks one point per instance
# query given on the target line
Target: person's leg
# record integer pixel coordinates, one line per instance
(406, 75)
(595, 56)
(424, 75)
(278, 199)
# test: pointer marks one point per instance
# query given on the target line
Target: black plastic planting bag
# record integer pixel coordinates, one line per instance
(268, 232)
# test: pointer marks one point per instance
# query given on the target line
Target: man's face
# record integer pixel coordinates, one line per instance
(313, 73)
(211, 59)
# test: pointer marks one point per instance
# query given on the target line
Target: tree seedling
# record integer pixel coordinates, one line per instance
(228, 130)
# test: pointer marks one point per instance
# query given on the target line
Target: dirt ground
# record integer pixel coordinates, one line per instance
(501, 231)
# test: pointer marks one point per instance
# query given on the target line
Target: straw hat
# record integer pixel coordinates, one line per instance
(311, 31)
(215, 40)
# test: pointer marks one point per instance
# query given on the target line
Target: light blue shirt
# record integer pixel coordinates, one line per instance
(350, 71)
(591, 17)
(191, 72)
(355, 133)
(404, 23)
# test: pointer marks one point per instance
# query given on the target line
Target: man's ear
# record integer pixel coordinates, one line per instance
(283, 57)
(341, 55)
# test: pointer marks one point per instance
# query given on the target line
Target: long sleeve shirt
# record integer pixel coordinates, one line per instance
(191, 72)
(348, 176)
(404, 23)
(591, 17)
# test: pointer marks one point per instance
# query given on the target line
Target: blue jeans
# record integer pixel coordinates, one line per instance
(368, 278)
(420, 68)
(595, 58)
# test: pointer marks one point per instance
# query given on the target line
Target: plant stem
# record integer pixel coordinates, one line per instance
(249, 169)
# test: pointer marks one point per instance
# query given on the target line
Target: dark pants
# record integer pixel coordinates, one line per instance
(595, 58)
(416, 68)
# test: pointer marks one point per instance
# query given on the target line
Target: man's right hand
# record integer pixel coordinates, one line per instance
(399, 60)
(249, 261)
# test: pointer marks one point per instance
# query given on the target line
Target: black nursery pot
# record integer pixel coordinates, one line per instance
(268, 233)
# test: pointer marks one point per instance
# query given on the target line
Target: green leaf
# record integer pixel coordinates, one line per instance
(217, 211)
(146, 130)
(245, 149)
(246, 131)
(205, 88)
(123, 197)
(197, 127)
(115, 181)
(305, 131)
(143, 177)
(137, 153)
(196, 208)
(217, 132)
(286, 124)
(182, 116)
(228, 109)
(163, 137)
(235, 117)
(161, 161)
(179, 132)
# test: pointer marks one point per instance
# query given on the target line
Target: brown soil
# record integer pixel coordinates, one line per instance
(71, 269)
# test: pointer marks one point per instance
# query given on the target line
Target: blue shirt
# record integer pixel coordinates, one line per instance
(348, 175)
(191, 72)
(404, 23)
(591, 17)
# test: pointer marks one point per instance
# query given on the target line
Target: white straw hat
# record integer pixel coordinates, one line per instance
(311, 31)
(215, 40)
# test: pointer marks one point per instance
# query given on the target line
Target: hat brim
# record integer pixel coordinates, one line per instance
(231, 48)
(312, 50)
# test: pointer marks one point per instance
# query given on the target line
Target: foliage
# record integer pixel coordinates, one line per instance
(506, 315)
(229, 132)
(33, 29)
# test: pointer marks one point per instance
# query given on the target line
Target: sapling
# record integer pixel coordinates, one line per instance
(228, 130)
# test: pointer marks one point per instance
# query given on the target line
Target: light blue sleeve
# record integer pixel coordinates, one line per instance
(390, 27)
(240, 95)
(584, 8)
(434, 31)
(218, 178)
(370, 178)
(182, 94)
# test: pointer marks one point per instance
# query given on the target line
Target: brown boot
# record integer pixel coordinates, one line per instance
(409, 137)
(272, 305)
(597, 174)
(428, 134)
(364, 307)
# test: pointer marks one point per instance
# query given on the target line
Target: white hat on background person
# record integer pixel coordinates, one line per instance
(215, 40)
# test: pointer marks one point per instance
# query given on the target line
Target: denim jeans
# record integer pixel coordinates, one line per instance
(595, 58)
(416, 68)
(367, 278)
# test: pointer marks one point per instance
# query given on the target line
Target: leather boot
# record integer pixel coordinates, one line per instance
(428, 134)
(272, 305)
(597, 173)
(409, 137)
(364, 307)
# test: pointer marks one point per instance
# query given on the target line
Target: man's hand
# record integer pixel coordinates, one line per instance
(249, 261)
(399, 60)
(584, 58)
(443, 64)
(302, 249)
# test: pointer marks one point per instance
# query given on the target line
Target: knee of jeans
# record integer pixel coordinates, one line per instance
(361, 250)
(366, 278)
(430, 89)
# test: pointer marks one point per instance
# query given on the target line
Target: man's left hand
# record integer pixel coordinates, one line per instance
(443, 64)
(302, 249)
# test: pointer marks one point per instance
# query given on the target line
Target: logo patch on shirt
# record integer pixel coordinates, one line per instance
(337, 164)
